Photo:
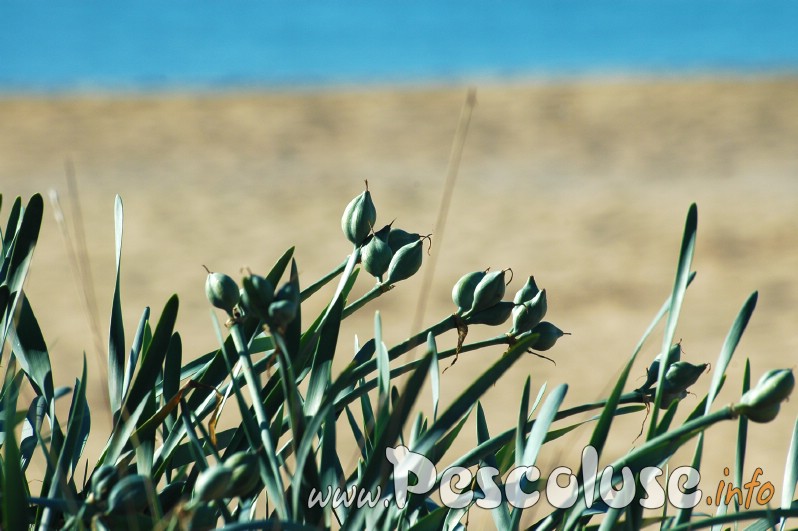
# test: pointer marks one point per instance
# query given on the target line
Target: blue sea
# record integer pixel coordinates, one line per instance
(60, 45)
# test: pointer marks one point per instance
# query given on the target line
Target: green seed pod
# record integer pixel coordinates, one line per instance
(258, 294)
(526, 316)
(103, 480)
(762, 403)
(681, 375)
(245, 473)
(376, 256)
(652, 373)
(761, 414)
(405, 263)
(527, 292)
(222, 291)
(285, 306)
(493, 316)
(359, 217)
(398, 238)
(130, 494)
(463, 291)
(775, 386)
(548, 336)
(489, 291)
(212, 483)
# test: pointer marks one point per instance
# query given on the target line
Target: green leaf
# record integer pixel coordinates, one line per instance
(729, 346)
(171, 375)
(377, 468)
(383, 364)
(537, 435)
(30, 349)
(116, 338)
(522, 416)
(434, 375)
(135, 350)
(321, 369)
(153, 358)
(120, 436)
(15, 489)
(500, 516)
(790, 472)
(74, 441)
(675, 306)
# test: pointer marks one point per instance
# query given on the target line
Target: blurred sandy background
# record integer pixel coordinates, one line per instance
(584, 184)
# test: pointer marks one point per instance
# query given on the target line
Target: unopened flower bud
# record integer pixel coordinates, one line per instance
(489, 291)
(258, 294)
(376, 256)
(681, 375)
(398, 238)
(493, 316)
(762, 403)
(245, 474)
(222, 291)
(212, 483)
(548, 334)
(285, 306)
(130, 494)
(527, 292)
(103, 480)
(359, 217)
(406, 262)
(528, 314)
(463, 291)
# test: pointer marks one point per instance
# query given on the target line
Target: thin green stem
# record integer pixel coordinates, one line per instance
(372, 294)
(323, 281)
(253, 384)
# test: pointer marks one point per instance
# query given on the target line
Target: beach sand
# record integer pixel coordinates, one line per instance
(583, 184)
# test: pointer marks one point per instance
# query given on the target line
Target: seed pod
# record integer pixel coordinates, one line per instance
(257, 295)
(398, 238)
(405, 263)
(463, 291)
(493, 316)
(527, 292)
(130, 494)
(222, 291)
(245, 477)
(762, 403)
(681, 375)
(376, 256)
(285, 306)
(359, 217)
(103, 480)
(489, 291)
(212, 483)
(548, 335)
(652, 373)
(526, 316)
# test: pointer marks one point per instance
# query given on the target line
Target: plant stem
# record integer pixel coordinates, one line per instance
(372, 294)
(254, 386)
(323, 281)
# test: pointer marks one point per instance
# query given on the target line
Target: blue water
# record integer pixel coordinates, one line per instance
(61, 45)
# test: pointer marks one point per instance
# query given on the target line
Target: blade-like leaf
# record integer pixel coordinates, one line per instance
(677, 297)
(116, 339)
(500, 516)
(15, 489)
(729, 346)
(153, 358)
